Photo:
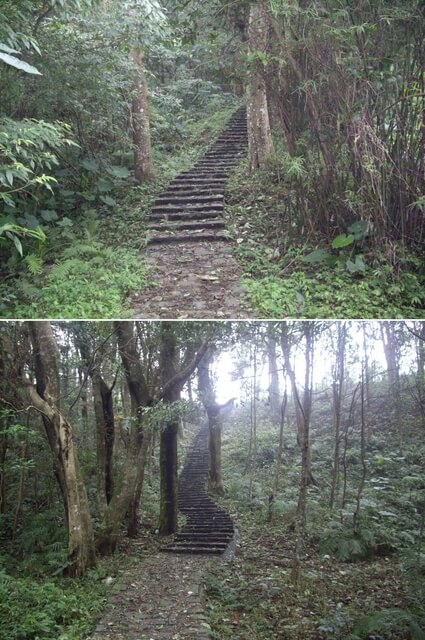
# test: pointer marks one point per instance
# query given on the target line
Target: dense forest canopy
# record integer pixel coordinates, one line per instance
(95, 422)
(103, 102)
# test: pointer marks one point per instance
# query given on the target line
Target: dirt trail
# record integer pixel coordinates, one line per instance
(158, 599)
(188, 254)
(201, 280)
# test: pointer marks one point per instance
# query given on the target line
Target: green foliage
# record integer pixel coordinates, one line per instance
(329, 294)
(90, 281)
(14, 231)
(60, 609)
(15, 62)
(340, 540)
(27, 151)
(350, 260)
(394, 620)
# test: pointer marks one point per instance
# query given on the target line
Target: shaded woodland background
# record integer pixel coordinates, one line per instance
(321, 468)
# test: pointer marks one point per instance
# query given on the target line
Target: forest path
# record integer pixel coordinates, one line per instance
(208, 528)
(188, 256)
(159, 598)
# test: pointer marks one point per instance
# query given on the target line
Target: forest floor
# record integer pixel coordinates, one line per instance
(192, 280)
(255, 596)
(157, 596)
(164, 596)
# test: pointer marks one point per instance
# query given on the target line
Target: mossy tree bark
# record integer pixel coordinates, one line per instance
(260, 143)
(126, 500)
(143, 163)
(45, 397)
(104, 416)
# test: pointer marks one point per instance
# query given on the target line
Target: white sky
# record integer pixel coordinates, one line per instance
(226, 365)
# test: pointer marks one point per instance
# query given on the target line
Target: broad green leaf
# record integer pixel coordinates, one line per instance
(19, 64)
(118, 172)
(359, 229)
(342, 241)
(316, 256)
(31, 221)
(49, 215)
(90, 165)
(66, 222)
(356, 267)
(108, 201)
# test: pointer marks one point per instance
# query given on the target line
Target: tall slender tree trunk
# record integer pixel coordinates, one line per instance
(46, 399)
(168, 442)
(279, 457)
(303, 412)
(104, 418)
(392, 355)
(356, 514)
(337, 392)
(105, 434)
(3, 452)
(174, 377)
(260, 143)
(253, 439)
(274, 391)
(168, 473)
(143, 163)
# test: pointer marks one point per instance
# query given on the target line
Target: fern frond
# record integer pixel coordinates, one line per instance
(34, 264)
(388, 620)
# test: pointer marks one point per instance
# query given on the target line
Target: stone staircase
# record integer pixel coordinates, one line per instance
(191, 209)
(208, 529)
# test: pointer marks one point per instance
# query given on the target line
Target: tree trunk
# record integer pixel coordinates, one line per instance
(3, 452)
(133, 517)
(392, 355)
(105, 435)
(174, 378)
(143, 164)
(260, 143)
(337, 391)
(215, 423)
(303, 410)
(279, 457)
(127, 498)
(274, 392)
(104, 417)
(168, 469)
(46, 399)
(168, 441)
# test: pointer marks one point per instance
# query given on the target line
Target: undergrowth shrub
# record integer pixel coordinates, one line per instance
(62, 609)
(91, 281)
(388, 620)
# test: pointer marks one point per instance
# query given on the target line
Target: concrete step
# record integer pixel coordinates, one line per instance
(212, 236)
(189, 209)
(216, 223)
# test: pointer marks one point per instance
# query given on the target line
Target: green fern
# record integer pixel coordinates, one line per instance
(388, 620)
(34, 264)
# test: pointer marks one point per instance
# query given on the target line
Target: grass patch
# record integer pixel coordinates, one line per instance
(89, 281)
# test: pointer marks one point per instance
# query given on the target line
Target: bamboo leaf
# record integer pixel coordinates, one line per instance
(19, 64)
